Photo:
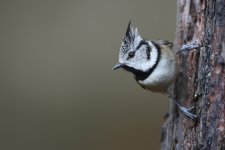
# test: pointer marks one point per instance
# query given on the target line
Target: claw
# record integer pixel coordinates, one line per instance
(190, 109)
(187, 112)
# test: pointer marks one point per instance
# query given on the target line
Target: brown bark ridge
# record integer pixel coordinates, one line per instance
(201, 78)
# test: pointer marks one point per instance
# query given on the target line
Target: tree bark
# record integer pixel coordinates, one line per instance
(201, 78)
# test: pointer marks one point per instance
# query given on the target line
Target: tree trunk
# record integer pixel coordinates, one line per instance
(201, 78)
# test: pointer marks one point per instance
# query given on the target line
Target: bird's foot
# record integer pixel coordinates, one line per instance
(189, 46)
(186, 111)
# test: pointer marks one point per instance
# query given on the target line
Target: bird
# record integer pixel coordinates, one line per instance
(153, 63)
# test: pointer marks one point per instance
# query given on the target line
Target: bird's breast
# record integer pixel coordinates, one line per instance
(161, 78)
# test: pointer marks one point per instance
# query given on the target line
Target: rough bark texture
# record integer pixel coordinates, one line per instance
(201, 78)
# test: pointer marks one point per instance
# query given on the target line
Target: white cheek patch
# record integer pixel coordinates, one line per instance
(143, 64)
(147, 64)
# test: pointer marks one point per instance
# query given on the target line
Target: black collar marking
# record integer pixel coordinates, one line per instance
(141, 75)
(142, 42)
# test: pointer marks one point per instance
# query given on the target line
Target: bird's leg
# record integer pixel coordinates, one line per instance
(186, 111)
(189, 46)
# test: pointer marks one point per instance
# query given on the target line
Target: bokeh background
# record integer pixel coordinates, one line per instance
(57, 89)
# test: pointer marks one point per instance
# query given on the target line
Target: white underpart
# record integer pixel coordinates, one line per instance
(162, 76)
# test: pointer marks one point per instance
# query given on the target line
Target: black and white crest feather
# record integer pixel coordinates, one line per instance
(129, 39)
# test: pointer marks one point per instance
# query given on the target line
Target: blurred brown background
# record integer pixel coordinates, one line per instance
(57, 89)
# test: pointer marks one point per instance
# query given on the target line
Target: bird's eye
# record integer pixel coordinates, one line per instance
(131, 54)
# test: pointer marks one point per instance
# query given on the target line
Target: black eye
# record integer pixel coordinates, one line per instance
(131, 54)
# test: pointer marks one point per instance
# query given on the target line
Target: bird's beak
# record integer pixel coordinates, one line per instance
(117, 66)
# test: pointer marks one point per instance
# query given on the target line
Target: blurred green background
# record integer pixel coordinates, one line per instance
(57, 89)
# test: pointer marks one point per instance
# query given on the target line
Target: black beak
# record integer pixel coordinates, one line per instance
(117, 66)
